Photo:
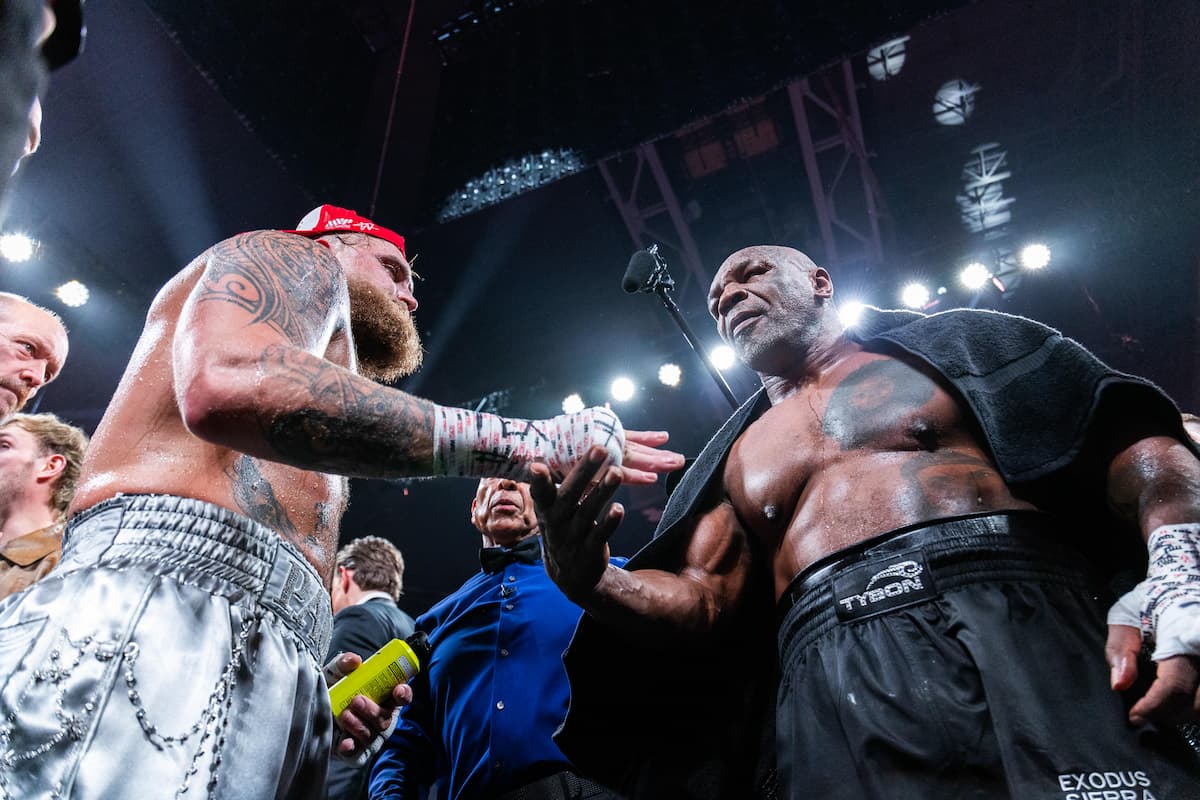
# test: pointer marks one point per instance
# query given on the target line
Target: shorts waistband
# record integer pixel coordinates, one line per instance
(564, 785)
(914, 564)
(194, 541)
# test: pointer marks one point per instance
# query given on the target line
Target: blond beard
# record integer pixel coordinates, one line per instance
(385, 338)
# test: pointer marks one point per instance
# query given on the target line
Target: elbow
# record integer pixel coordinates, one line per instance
(210, 404)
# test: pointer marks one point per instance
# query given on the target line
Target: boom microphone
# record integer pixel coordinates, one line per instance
(637, 274)
(647, 272)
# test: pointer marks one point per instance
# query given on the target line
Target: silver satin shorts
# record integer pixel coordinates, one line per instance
(173, 653)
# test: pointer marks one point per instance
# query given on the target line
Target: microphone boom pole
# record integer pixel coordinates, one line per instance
(647, 272)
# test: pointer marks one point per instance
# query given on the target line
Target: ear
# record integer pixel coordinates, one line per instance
(52, 467)
(471, 516)
(821, 282)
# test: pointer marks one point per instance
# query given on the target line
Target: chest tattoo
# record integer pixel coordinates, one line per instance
(869, 402)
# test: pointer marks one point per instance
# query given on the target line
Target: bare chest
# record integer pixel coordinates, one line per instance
(840, 441)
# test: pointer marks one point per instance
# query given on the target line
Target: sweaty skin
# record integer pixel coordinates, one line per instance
(855, 444)
(281, 302)
(870, 446)
(243, 391)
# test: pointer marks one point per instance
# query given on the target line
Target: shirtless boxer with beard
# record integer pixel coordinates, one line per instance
(175, 651)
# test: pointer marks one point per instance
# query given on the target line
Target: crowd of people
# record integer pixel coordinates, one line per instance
(935, 556)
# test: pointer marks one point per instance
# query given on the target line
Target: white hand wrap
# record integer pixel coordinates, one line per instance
(362, 756)
(477, 445)
(1171, 610)
(1128, 608)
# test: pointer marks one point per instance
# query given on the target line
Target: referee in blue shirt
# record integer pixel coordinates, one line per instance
(495, 689)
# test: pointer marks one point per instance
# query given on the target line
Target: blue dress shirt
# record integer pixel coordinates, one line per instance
(494, 690)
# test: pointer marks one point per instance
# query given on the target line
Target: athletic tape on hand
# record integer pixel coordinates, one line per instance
(360, 757)
(1171, 609)
(478, 445)
(1128, 608)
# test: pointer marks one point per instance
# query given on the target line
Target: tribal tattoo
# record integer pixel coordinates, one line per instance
(276, 279)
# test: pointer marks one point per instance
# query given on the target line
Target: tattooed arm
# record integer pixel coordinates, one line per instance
(250, 372)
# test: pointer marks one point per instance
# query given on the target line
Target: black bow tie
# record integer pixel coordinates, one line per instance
(527, 551)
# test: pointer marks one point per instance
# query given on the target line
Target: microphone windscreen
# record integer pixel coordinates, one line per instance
(638, 271)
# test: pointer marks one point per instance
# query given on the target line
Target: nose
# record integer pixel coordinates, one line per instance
(33, 376)
(507, 484)
(405, 296)
(731, 295)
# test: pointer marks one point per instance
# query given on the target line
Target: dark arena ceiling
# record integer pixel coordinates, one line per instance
(182, 123)
(514, 76)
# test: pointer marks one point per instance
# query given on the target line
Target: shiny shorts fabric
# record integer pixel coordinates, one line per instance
(174, 653)
(961, 660)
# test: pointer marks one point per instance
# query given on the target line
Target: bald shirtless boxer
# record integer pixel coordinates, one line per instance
(175, 651)
(925, 499)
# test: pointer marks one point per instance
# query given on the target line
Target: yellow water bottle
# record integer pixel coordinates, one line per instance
(395, 663)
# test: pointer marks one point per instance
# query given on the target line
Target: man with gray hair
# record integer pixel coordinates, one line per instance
(33, 347)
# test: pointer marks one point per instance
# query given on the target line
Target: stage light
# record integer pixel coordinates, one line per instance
(669, 374)
(886, 60)
(16, 247)
(914, 295)
(850, 313)
(722, 357)
(1035, 256)
(974, 276)
(955, 102)
(511, 179)
(572, 404)
(72, 293)
(622, 389)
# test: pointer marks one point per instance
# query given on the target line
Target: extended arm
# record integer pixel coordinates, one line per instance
(250, 374)
(658, 608)
(1155, 482)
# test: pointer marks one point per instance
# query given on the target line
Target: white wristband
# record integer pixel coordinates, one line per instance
(1171, 612)
(477, 445)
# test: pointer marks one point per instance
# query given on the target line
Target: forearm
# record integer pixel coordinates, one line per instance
(292, 407)
(1155, 482)
(655, 608)
(295, 408)
(396, 774)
